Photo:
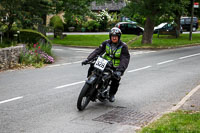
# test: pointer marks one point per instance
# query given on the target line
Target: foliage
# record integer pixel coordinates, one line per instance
(36, 55)
(57, 23)
(92, 25)
(114, 20)
(7, 43)
(74, 20)
(57, 6)
(102, 18)
(34, 12)
(160, 11)
(196, 10)
(25, 13)
(75, 11)
(78, 7)
(154, 12)
(9, 12)
(31, 36)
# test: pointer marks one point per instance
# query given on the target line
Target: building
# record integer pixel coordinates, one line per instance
(111, 6)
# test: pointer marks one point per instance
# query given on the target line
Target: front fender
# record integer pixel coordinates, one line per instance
(91, 80)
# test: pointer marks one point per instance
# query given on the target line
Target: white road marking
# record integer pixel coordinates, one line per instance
(9, 100)
(139, 69)
(164, 62)
(184, 57)
(67, 85)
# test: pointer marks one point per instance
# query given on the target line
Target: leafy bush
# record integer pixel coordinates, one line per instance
(36, 55)
(7, 43)
(57, 23)
(103, 18)
(11, 40)
(92, 25)
(31, 36)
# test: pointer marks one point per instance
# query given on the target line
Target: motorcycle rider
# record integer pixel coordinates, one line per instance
(116, 51)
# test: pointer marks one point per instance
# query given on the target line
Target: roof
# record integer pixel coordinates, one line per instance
(111, 6)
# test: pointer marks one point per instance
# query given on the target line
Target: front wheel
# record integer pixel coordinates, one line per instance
(83, 98)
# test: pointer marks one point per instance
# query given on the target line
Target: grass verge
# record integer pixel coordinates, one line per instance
(165, 41)
(176, 122)
(87, 40)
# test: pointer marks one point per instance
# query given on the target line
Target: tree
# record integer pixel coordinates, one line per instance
(75, 8)
(9, 9)
(196, 10)
(26, 13)
(179, 9)
(34, 12)
(153, 11)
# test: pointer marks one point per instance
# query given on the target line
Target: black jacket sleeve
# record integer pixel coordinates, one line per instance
(124, 59)
(98, 51)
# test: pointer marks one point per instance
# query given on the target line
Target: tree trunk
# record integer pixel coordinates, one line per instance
(8, 32)
(191, 24)
(44, 18)
(148, 31)
(178, 27)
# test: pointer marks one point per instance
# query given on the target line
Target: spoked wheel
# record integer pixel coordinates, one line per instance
(83, 98)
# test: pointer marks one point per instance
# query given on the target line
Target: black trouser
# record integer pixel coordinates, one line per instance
(114, 86)
(114, 82)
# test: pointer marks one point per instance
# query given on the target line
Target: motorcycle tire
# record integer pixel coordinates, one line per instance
(84, 98)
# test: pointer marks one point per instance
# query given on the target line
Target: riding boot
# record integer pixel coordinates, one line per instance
(113, 89)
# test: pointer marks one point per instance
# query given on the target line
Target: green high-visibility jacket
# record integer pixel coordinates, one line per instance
(114, 55)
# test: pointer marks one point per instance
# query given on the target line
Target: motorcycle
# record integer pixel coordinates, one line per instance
(97, 85)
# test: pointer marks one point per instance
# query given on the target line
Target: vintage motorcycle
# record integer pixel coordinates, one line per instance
(97, 85)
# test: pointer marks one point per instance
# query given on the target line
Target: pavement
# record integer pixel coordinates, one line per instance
(193, 103)
(100, 33)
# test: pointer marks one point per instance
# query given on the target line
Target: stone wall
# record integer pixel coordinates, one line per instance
(9, 57)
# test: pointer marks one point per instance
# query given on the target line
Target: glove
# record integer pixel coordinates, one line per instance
(85, 62)
(117, 74)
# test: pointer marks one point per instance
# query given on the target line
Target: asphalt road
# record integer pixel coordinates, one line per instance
(44, 100)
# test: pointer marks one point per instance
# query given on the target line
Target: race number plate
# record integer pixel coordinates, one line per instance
(100, 63)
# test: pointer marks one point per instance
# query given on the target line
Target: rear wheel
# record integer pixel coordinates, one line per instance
(83, 98)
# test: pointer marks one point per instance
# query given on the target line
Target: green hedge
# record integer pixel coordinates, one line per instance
(31, 37)
(57, 23)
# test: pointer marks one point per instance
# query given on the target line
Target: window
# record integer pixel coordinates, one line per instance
(132, 26)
